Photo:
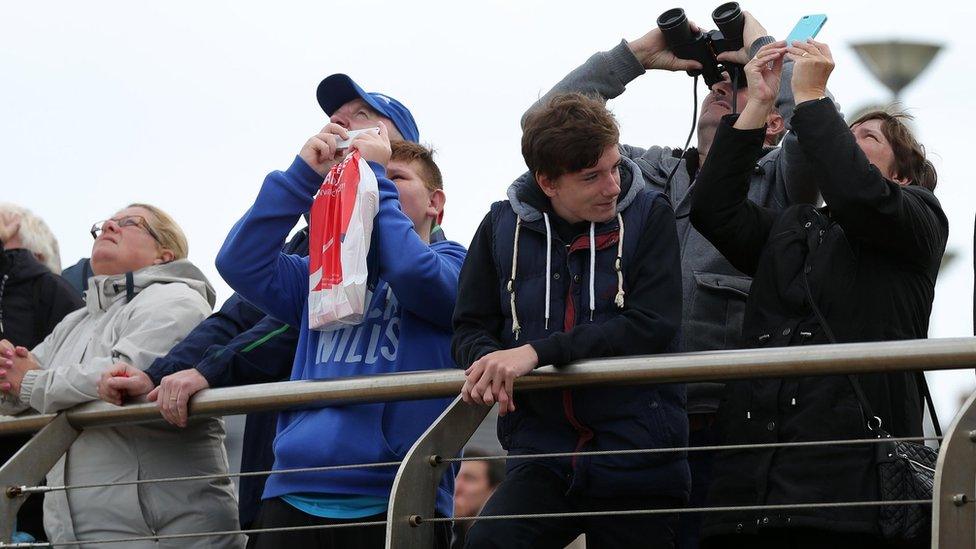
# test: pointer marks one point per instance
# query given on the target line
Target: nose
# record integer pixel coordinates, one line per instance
(612, 188)
(340, 119)
(111, 225)
(722, 89)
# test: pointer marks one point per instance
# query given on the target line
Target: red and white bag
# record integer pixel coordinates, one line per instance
(340, 228)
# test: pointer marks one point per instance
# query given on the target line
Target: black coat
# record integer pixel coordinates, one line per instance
(32, 302)
(869, 261)
(32, 298)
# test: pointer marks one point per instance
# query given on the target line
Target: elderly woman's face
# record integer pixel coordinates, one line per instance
(125, 244)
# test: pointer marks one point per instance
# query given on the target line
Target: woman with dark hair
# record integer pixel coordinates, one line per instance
(861, 268)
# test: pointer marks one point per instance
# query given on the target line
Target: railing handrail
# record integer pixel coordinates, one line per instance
(853, 358)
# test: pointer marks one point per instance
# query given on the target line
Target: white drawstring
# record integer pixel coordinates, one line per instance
(516, 328)
(592, 268)
(618, 265)
(548, 263)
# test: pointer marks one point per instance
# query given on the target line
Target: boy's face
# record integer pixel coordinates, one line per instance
(416, 200)
(589, 194)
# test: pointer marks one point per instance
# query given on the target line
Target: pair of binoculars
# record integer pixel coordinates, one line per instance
(704, 47)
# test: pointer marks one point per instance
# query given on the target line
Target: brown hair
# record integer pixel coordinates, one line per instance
(170, 234)
(567, 135)
(408, 151)
(909, 154)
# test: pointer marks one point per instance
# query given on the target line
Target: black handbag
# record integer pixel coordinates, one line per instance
(906, 471)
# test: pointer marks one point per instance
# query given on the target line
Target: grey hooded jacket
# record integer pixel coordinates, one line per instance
(168, 301)
(714, 292)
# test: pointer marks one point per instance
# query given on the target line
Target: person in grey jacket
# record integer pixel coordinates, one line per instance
(144, 298)
(714, 292)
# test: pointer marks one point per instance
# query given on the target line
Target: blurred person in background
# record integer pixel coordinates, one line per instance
(475, 482)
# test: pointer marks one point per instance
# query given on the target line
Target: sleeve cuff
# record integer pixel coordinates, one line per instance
(812, 106)
(549, 351)
(624, 63)
(728, 126)
(27, 385)
(213, 368)
(758, 43)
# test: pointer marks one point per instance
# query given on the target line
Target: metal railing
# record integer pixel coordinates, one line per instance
(411, 518)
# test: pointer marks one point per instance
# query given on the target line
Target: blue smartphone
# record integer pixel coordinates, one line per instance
(807, 27)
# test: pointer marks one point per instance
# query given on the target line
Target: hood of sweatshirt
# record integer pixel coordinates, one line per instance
(103, 290)
(529, 202)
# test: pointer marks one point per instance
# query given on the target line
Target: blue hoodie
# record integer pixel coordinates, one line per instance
(407, 328)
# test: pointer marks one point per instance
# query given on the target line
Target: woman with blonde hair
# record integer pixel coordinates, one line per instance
(144, 298)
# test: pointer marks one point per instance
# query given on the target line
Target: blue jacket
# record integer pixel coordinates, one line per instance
(407, 328)
(240, 345)
(634, 312)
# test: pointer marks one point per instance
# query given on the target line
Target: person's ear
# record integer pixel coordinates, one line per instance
(774, 127)
(165, 256)
(903, 181)
(436, 204)
(547, 184)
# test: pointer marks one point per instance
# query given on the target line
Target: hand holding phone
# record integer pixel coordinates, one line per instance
(807, 27)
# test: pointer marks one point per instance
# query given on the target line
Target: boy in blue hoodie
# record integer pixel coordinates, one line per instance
(581, 262)
(407, 328)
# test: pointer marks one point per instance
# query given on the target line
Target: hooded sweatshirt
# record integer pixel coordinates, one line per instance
(134, 321)
(575, 292)
(407, 328)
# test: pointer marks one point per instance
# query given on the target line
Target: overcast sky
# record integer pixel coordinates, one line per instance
(187, 105)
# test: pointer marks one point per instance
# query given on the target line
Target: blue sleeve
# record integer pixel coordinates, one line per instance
(235, 316)
(263, 354)
(251, 260)
(424, 277)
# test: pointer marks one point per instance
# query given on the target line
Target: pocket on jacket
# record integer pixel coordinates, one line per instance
(717, 310)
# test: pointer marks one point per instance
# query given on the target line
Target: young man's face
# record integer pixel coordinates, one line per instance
(417, 202)
(472, 488)
(589, 194)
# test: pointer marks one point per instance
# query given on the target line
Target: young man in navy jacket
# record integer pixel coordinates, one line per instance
(407, 327)
(581, 262)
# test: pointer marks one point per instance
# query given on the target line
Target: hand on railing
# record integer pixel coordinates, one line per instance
(123, 381)
(491, 378)
(174, 393)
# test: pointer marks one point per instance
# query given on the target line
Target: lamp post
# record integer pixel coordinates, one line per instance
(896, 64)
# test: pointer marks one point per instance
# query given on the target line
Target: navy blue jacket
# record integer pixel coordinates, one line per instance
(239, 345)
(590, 419)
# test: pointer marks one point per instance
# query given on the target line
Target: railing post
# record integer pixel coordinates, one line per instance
(953, 506)
(415, 487)
(29, 466)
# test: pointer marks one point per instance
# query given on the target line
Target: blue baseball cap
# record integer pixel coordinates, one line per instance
(338, 89)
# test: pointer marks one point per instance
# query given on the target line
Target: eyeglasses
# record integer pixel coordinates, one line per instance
(125, 221)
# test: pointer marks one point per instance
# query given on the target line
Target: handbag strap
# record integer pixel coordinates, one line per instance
(862, 399)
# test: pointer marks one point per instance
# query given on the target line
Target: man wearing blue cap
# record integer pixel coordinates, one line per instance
(239, 345)
(407, 325)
